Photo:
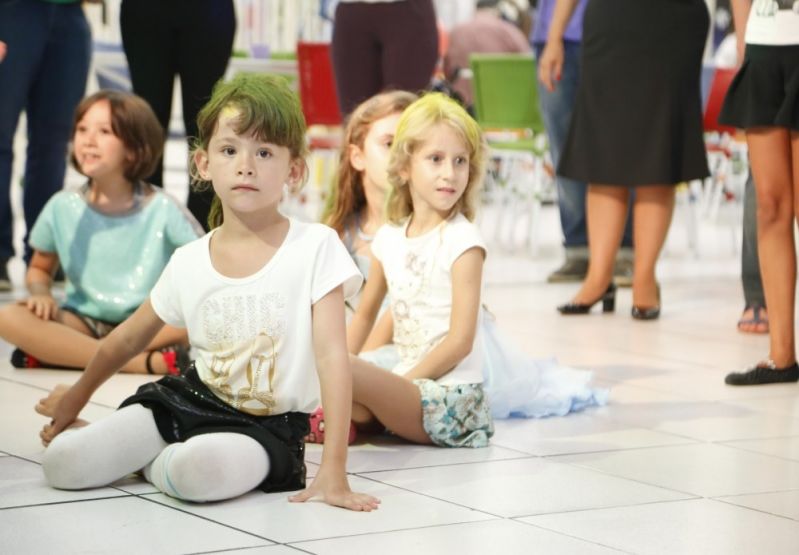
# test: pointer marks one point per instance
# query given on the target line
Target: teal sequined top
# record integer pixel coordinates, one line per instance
(111, 261)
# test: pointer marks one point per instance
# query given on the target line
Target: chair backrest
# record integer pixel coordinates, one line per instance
(317, 84)
(506, 91)
(718, 90)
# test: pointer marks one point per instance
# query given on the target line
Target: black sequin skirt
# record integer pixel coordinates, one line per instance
(184, 407)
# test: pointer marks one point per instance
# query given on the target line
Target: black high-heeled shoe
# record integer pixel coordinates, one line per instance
(647, 313)
(608, 299)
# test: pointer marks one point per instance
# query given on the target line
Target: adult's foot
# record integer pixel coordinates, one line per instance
(766, 372)
(573, 269)
(754, 319)
(646, 294)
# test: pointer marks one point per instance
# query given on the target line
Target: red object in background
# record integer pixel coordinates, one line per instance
(443, 39)
(317, 84)
(718, 90)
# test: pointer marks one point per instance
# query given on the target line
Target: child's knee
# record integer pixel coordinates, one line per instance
(9, 314)
(207, 469)
(64, 463)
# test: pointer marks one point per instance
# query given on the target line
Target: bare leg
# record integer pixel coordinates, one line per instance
(382, 333)
(774, 155)
(67, 341)
(606, 214)
(653, 209)
(394, 401)
(361, 416)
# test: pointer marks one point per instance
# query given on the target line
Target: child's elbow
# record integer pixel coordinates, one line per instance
(463, 347)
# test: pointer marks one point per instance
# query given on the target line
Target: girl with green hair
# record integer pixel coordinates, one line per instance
(262, 297)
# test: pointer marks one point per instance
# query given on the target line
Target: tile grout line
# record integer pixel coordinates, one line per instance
(560, 532)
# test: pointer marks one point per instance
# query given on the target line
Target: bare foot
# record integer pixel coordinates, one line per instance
(78, 423)
(46, 406)
(753, 320)
(44, 434)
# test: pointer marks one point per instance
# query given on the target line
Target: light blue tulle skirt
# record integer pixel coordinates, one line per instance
(517, 384)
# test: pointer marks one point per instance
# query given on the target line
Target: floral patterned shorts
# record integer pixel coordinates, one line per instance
(455, 415)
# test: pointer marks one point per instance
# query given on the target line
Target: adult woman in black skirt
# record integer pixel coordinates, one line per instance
(763, 99)
(637, 124)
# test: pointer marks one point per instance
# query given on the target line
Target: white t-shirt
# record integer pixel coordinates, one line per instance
(253, 335)
(418, 272)
(773, 22)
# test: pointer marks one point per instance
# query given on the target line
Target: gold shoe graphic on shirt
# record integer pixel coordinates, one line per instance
(258, 360)
(221, 365)
(255, 398)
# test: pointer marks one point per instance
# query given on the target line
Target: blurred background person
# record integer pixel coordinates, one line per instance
(486, 32)
(754, 318)
(556, 110)
(192, 39)
(762, 100)
(382, 45)
(47, 47)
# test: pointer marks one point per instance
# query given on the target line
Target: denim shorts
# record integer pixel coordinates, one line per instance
(98, 328)
(455, 415)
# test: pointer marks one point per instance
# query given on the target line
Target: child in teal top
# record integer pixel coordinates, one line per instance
(136, 244)
(113, 238)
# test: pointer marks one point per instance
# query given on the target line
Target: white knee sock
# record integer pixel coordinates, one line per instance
(209, 467)
(104, 451)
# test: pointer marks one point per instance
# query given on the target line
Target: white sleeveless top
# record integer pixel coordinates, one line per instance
(773, 23)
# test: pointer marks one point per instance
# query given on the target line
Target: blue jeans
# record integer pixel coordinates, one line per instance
(556, 110)
(44, 74)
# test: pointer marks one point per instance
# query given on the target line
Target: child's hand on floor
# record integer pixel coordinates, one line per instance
(336, 491)
(43, 306)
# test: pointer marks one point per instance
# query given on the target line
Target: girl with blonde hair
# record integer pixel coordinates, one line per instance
(429, 259)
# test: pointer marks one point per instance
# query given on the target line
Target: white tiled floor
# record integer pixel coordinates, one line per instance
(676, 463)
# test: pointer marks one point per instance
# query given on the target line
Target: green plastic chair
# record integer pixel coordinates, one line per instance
(506, 107)
(506, 98)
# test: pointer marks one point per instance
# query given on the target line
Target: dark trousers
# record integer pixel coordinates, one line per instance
(383, 46)
(44, 74)
(192, 39)
(750, 261)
